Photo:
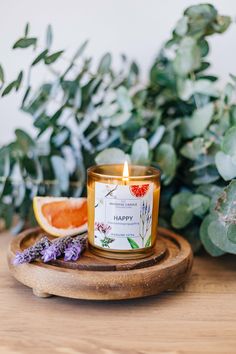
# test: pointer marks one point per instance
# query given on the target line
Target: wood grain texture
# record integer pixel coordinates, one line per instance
(96, 278)
(90, 261)
(199, 317)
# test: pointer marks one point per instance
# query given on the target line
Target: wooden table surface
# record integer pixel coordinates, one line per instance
(198, 318)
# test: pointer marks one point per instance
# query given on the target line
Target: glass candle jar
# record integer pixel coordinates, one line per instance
(123, 205)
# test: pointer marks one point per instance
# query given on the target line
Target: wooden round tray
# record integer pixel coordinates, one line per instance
(96, 278)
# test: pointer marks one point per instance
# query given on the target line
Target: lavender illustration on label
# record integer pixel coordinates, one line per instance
(146, 221)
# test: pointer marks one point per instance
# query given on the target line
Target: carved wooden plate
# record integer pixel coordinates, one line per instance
(96, 278)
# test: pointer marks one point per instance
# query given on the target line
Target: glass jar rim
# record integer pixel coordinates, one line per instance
(155, 173)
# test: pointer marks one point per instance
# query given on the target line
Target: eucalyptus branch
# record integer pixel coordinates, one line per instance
(178, 121)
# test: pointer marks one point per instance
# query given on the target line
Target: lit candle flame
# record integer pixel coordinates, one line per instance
(126, 171)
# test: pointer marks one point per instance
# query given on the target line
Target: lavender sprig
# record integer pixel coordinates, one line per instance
(33, 252)
(56, 249)
(70, 247)
(75, 248)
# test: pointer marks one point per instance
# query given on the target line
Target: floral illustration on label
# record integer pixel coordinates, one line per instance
(123, 216)
(104, 231)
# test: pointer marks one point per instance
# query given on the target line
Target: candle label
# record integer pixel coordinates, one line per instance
(123, 216)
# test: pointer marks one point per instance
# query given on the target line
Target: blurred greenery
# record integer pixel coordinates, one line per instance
(178, 121)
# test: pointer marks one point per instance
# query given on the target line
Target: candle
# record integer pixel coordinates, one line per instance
(123, 203)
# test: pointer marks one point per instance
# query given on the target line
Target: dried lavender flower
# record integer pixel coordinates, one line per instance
(33, 252)
(71, 247)
(75, 248)
(56, 249)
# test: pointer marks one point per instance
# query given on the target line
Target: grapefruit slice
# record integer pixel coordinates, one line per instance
(61, 216)
(139, 190)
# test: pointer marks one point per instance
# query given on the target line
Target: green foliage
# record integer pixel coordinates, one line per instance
(166, 160)
(52, 57)
(218, 228)
(206, 241)
(1, 75)
(187, 205)
(25, 43)
(179, 121)
(13, 85)
(140, 152)
(132, 243)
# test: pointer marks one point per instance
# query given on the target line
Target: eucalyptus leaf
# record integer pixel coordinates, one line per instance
(199, 204)
(188, 57)
(229, 90)
(193, 149)
(157, 136)
(111, 156)
(209, 246)
(105, 63)
(207, 175)
(50, 59)
(61, 172)
(179, 199)
(200, 17)
(204, 47)
(203, 12)
(59, 138)
(24, 141)
(40, 57)
(27, 26)
(25, 43)
(134, 68)
(225, 166)
(166, 160)
(218, 235)
(182, 26)
(9, 88)
(111, 110)
(188, 88)
(119, 118)
(18, 80)
(2, 78)
(80, 51)
(124, 99)
(229, 142)
(197, 124)
(181, 217)
(140, 152)
(209, 190)
(27, 92)
(78, 98)
(7, 189)
(49, 37)
(30, 167)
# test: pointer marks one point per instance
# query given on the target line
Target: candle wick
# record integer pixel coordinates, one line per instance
(125, 181)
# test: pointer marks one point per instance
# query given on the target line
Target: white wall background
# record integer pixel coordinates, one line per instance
(135, 27)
